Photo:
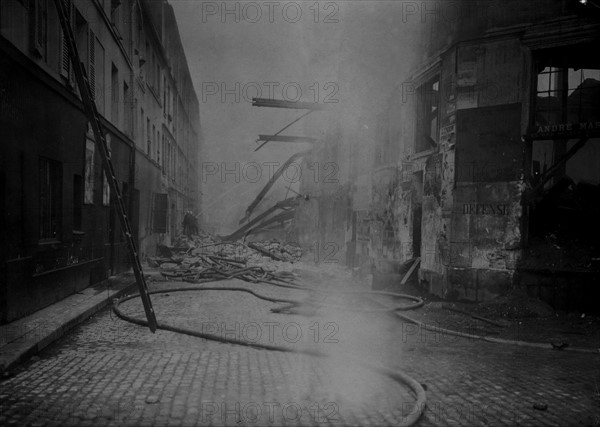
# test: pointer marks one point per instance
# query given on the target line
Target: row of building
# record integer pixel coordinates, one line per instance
(484, 163)
(59, 228)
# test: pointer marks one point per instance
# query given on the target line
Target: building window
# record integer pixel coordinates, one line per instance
(99, 73)
(82, 41)
(152, 77)
(92, 62)
(157, 145)
(568, 90)
(162, 160)
(114, 12)
(153, 139)
(148, 136)
(65, 59)
(114, 96)
(127, 110)
(126, 206)
(566, 109)
(50, 198)
(39, 27)
(141, 128)
(105, 184)
(77, 202)
(168, 102)
(169, 159)
(427, 115)
(159, 150)
(105, 191)
(164, 98)
(157, 81)
(90, 147)
(159, 213)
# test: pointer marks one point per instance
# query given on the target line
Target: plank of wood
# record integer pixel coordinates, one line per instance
(410, 271)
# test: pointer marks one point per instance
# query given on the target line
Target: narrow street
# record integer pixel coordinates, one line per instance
(299, 213)
(111, 372)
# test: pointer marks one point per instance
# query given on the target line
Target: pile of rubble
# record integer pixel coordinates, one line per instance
(278, 251)
(202, 258)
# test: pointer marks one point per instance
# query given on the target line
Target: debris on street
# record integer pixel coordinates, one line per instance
(203, 257)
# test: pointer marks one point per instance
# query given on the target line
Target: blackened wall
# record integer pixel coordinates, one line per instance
(41, 118)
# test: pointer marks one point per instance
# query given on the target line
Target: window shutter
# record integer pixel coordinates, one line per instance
(65, 61)
(92, 63)
(38, 15)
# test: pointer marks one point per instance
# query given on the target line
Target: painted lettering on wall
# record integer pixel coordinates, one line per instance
(485, 209)
(565, 129)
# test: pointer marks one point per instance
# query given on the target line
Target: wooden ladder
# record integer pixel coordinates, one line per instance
(94, 118)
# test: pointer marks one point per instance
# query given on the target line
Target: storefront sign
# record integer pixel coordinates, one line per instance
(566, 130)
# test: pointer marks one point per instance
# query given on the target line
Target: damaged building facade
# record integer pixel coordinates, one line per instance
(60, 231)
(484, 164)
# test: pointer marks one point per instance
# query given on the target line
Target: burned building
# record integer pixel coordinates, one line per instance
(484, 164)
(59, 227)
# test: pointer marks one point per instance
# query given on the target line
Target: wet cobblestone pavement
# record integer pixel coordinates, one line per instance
(110, 372)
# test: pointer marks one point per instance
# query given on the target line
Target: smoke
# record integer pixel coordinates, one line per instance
(344, 54)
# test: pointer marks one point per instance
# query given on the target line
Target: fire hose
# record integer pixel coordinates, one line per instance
(396, 375)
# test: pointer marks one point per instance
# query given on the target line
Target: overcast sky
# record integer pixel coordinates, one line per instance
(346, 51)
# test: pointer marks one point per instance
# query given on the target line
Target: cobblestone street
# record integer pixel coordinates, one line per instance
(299, 213)
(111, 372)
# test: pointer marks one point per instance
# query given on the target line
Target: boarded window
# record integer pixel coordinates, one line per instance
(159, 214)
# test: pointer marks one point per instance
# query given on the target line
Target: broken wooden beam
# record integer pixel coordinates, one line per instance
(295, 105)
(278, 206)
(284, 128)
(286, 138)
(269, 184)
(265, 252)
(410, 271)
(281, 217)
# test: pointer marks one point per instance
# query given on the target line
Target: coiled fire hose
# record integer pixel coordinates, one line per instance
(397, 376)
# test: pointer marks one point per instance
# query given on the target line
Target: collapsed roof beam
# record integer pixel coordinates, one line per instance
(290, 202)
(295, 105)
(287, 138)
(270, 183)
(284, 128)
(281, 217)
